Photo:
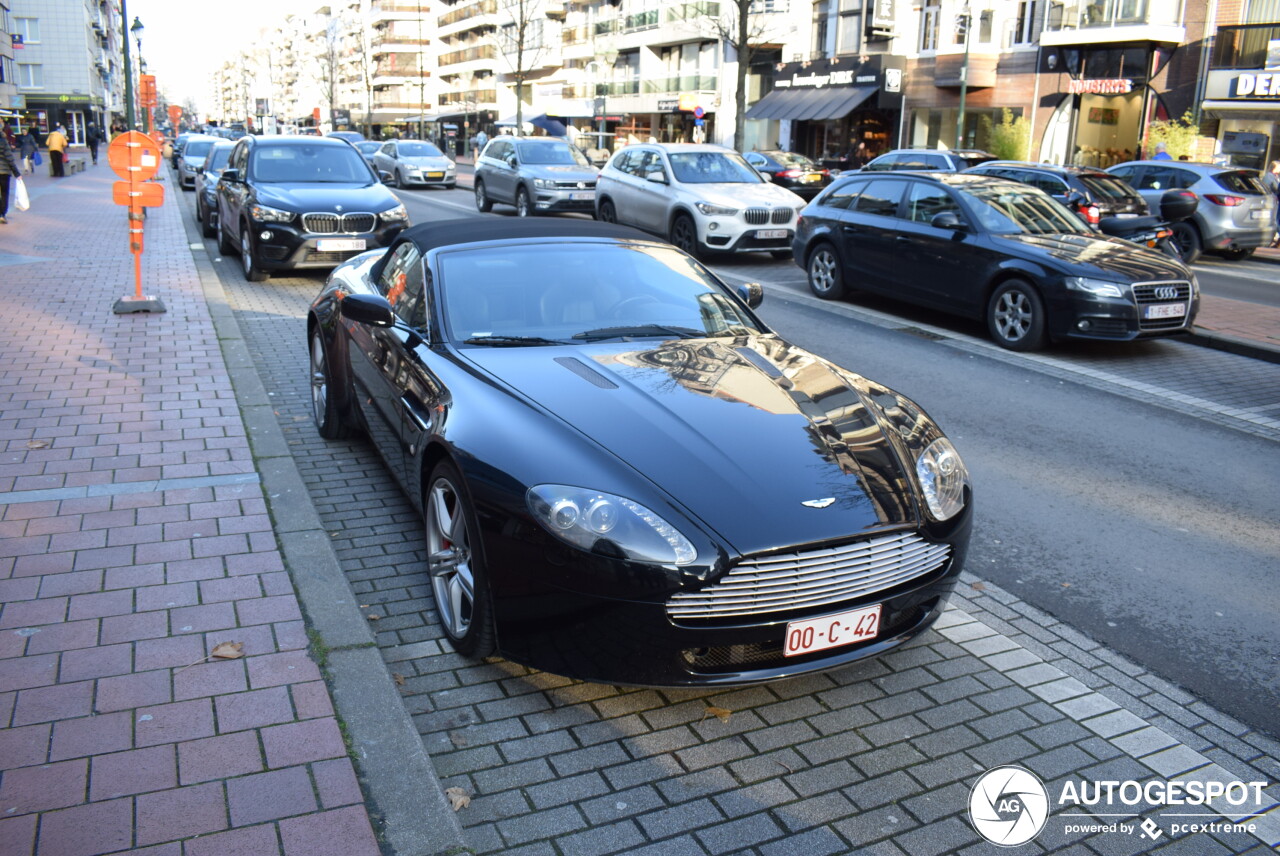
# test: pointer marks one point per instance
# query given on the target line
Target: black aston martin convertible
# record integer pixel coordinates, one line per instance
(624, 475)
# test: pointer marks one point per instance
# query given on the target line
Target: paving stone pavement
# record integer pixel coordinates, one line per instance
(134, 538)
(876, 759)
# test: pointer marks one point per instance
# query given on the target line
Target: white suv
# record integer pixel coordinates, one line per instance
(703, 198)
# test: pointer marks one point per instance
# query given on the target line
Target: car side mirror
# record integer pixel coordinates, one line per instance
(1075, 199)
(199, 170)
(657, 177)
(752, 294)
(511, 161)
(230, 175)
(371, 309)
(385, 177)
(947, 220)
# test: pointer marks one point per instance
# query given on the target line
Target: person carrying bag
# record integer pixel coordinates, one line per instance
(8, 170)
(30, 150)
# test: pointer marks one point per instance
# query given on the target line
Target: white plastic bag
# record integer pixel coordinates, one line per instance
(21, 200)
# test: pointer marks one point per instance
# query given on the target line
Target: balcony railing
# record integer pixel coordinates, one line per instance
(640, 21)
(474, 96)
(1244, 46)
(576, 91)
(575, 35)
(397, 69)
(468, 55)
(682, 83)
(691, 11)
(471, 10)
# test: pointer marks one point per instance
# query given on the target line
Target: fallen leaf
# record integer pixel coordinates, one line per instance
(457, 739)
(374, 617)
(977, 586)
(398, 678)
(458, 798)
(1066, 585)
(718, 712)
(38, 444)
(228, 650)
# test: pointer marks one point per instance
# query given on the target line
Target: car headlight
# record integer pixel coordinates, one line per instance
(543, 182)
(715, 210)
(450, 167)
(591, 520)
(943, 477)
(1195, 284)
(395, 215)
(267, 214)
(1097, 287)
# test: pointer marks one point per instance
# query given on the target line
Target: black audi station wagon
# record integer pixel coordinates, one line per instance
(990, 249)
(302, 202)
(624, 475)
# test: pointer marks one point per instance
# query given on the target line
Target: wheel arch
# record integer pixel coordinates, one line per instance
(335, 354)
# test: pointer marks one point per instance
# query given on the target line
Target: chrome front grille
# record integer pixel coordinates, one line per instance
(339, 224)
(1162, 292)
(785, 582)
(575, 185)
(761, 216)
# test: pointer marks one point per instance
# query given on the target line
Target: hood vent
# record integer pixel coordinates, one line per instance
(585, 372)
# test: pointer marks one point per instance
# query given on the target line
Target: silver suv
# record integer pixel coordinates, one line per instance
(1236, 214)
(538, 175)
(703, 198)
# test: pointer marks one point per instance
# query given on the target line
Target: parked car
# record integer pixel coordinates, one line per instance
(1236, 214)
(366, 148)
(637, 545)
(929, 160)
(704, 198)
(535, 174)
(413, 162)
(350, 136)
(302, 202)
(193, 154)
(994, 250)
(178, 142)
(795, 172)
(207, 186)
(1108, 195)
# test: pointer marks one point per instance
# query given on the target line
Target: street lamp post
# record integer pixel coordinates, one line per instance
(601, 101)
(128, 69)
(964, 74)
(137, 29)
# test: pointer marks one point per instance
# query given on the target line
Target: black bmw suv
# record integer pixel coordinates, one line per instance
(302, 202)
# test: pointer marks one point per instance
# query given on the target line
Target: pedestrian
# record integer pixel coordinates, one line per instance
(8, 135)
(29, 148)
(56, 143)
(8, 170)
(1162, 152)
(861, 155)
(1271, 180)
(91, 138)
(482, 139)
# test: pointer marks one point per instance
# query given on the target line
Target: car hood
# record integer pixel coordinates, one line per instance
(742, 432)
(306, 197)
(428, 162)
(734, 195)
(562, 172)
(1086, 255)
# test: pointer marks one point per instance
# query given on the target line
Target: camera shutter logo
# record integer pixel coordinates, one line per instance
(1008, 806)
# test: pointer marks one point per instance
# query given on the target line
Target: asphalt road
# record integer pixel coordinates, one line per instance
(1151, 530)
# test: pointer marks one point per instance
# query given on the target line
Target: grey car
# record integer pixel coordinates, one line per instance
(193, 155)
(1236, 214)
(929, 160)
(206, 186)
(414, 162)
(538, 175)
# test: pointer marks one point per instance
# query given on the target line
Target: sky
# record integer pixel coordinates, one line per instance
(184, 42)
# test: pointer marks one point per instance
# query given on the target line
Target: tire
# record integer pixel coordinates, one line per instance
(1237, 254)
(524, 208)
(826, 277)
(684, 234)
(454, 564)
(206, 221)
(248, 262)
(608, 214)
(324, 406)
(225, 247)
(1187, 237)
(483, 203)
(1016, 317)
(780, 255)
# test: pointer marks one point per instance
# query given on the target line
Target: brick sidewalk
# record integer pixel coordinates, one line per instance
(135, 539)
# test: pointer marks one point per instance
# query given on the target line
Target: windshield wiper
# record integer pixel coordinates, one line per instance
(640, 330)
(511, 341)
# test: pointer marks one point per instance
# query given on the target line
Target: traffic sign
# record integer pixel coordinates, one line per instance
(145, 194)
(134, 156)
(698, 112)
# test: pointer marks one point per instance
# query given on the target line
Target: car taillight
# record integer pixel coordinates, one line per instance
(1226, 201)
(788, 173)
(1091, 214)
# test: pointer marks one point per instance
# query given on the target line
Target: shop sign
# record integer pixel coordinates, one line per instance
(1111, 86)
(667, 105)
(1256, 85)
(832, 78)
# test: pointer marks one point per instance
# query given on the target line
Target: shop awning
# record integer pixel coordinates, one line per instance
(810, 104)
(1267, 111)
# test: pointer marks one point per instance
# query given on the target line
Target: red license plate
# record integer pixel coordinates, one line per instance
(831, 631)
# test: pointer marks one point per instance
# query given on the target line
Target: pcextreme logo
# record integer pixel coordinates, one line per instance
(1008, 806)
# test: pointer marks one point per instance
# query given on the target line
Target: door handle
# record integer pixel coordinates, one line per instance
(411, 408)
(903, 239)
(850, 229)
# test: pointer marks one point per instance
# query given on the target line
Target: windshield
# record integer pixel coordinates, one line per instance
(1109, 187)
(197, 149)
(793, 160)
(713, 168)
(218, 158)
(551, 152)
(1240, 182)
(368, 147)
(567, 293)
(419, 150)
(310, 163)
(1019, 210)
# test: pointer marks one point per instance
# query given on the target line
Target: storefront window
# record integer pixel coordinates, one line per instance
(930, 126)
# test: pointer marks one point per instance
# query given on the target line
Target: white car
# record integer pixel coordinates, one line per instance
(703, 198)
(413, 162)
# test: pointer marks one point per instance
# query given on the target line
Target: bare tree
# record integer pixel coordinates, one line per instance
(521, 44)
(329, 59)
(747, 32)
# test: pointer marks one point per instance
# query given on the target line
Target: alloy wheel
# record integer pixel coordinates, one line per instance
(683, 235)
(449, 558)
(246, 252)
(1013, 315)
(823, 275)
(319, 380)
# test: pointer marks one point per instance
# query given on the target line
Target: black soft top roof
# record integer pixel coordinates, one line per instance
(448, 233)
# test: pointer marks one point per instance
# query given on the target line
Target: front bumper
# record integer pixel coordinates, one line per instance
(749, 239)
(289, 248)
(1117, 319)
(555, 199)
(431, 178)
